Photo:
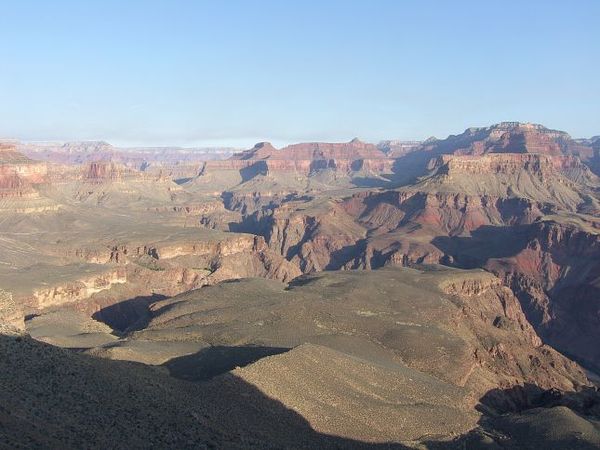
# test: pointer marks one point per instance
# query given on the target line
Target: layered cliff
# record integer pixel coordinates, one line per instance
(509, 137)
(355, 149)
(467, 192)
(505, 137)
(110, 184)
(334, 163)
(461, 194)
(19, 178)
(554, 273)
(93, 273)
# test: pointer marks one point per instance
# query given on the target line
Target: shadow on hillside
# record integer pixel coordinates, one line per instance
(224, 412)
(128, 315)
(213, 361)
(408, 168)
(384, 181)
(258, 168)
(501, 409)
(50, 385)
(339, 258)
(485, 243)
(405, 170)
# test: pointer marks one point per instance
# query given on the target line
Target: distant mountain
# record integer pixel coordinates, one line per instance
(297, 168)
(511, 137)
(136, 157)
(355, 149)
(397, 148)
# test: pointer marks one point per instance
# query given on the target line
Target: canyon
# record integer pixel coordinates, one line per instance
(449, 287)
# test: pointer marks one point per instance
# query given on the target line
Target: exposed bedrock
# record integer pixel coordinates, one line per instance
(552, 266)
(12, 319)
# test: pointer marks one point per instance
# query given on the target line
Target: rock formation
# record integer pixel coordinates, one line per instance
(305, 280)
(11, 315)
(19, 178)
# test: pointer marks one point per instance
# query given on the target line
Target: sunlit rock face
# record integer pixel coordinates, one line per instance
(11, 315)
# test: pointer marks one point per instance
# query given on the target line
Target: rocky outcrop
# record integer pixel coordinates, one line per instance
(107, 183)
(314, 239)
(28, 169)
(479, 288)
(72, 291)
(14, 185)
(100, 171)
(554, 274)
(11, 315)
(104, 171)
(506, 137)
(118, 272)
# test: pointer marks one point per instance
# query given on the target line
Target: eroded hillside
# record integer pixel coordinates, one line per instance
(298, 283)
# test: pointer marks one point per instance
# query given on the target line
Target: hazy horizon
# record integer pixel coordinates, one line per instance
(244, 144)
(186, 73)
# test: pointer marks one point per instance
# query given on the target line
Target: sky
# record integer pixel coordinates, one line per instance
(235, 72)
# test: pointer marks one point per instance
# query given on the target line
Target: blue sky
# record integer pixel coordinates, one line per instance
(236, 72)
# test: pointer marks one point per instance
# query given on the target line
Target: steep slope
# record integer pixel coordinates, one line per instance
(52, 398)
(531, 219)
(480, 190)
(552, 267)
(525, 216)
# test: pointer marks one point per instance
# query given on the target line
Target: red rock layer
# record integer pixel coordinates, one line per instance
(305, 159)
(510, 137)
(18, 173)
(507, 163)
(354, 149)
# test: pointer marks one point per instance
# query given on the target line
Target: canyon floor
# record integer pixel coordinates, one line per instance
(441, 294)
